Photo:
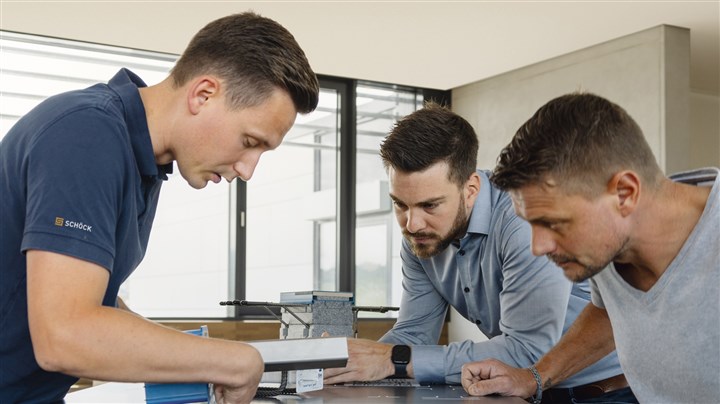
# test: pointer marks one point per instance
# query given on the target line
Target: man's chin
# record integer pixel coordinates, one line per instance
(578, 273)
(198, 185)
(574, 276)
(424, 251)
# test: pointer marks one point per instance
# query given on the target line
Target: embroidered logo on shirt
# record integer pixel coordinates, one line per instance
(59, 221)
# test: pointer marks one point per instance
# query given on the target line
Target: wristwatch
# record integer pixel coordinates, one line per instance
(401, 358)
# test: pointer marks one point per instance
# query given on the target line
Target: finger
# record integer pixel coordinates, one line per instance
(489, 386)
(219, 394)
(467, 379)
(487, 369)
(329, 372)
(473, 389)
(340, 378)
(473, 372)
(325, 334)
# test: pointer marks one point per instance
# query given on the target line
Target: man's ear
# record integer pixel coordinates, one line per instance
(201, 90)
(626, 187)
(472, 189)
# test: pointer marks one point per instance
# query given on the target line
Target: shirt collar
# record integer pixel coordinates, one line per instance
(126, 83)
(482, 209)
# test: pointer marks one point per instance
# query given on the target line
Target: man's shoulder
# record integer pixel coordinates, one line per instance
(97, 100)
(79, 106)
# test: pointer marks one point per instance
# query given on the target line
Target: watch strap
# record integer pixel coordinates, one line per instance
(400, 370)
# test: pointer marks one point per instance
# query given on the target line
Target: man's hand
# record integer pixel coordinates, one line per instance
(247, 385)
(238, 395)
(494, 377)
(367, 361)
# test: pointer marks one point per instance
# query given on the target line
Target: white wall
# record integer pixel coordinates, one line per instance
(646, 73)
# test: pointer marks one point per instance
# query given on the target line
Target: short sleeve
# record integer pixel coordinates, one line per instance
(74, 176)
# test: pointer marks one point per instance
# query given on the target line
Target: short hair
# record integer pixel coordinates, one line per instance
(428, 136)
(579, 140)
(254, 56)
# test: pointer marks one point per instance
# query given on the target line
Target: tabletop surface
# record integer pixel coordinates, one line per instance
(130, 393)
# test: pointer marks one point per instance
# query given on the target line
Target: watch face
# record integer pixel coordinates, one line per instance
(401, 354)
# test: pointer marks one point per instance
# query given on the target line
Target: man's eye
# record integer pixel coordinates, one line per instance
(548, 225)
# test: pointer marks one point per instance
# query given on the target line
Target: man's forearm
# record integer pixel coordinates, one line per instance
(74, 334)
(112, 344)
(588, 340)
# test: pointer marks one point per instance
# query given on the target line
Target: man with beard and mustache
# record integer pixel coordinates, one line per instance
(464, 247)
(581, 173)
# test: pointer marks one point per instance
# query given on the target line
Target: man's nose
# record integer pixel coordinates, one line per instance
(415, 221)
(245, 167)
(542, 241)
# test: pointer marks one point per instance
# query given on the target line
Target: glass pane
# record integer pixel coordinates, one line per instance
(327, 278)
(185, 270)
(291, 208)
(33, 68)
(373, 283)
(378, 270)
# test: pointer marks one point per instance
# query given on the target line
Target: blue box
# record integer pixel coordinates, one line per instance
(178, 393)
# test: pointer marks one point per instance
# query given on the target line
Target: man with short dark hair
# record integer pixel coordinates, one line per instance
(581, 173)
(464, 247)
(80, 176)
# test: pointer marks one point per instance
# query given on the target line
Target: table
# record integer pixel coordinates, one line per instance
(384, 394)
(134, 393)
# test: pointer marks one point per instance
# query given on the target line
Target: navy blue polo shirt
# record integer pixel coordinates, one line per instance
(77, 177)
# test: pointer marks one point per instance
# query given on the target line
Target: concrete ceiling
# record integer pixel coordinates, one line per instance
(428, 44)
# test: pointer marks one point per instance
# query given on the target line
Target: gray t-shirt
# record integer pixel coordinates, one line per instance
(668, 338)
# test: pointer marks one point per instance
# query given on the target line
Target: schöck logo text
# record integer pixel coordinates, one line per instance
(59, 221)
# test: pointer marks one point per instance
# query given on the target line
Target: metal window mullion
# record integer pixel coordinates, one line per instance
(346, 198)
(240, 269)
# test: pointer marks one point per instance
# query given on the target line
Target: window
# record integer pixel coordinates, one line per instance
(291, 208)
(316, 214)
(33, 68)
(377, 275)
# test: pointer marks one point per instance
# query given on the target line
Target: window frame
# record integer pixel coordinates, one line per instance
(346, 206)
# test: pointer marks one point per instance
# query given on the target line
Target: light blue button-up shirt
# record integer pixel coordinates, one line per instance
(522, 303)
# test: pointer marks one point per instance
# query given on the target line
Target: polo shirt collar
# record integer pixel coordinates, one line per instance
(126, 83)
